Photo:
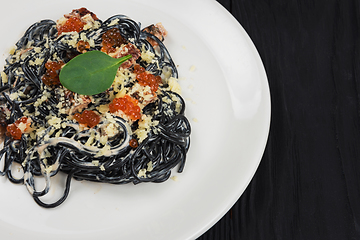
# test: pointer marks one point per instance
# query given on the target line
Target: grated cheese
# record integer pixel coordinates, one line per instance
(147, 55)
(4, 77)
(22, 126)
(174, 85)
(150, 166)
(142, 173)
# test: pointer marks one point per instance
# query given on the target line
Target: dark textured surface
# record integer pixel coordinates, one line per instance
(308, 183)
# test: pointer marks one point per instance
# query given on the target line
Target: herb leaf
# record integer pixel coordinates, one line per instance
(90, 73)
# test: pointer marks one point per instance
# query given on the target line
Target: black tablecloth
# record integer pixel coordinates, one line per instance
(308, 183)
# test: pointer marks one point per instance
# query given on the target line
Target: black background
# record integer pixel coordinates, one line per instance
(308, 183)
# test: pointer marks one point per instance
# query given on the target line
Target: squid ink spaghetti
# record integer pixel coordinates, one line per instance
(133, 132)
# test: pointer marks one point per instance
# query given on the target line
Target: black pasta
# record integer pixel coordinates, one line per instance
(165, 146)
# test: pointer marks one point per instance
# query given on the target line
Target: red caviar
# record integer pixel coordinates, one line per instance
(73, 24)
(51, 76)
(13, 131)
(147, 79)
(138, 69)
(87, 117)
(128, 105)
(82, 46)
(111, 39)
(133, 143)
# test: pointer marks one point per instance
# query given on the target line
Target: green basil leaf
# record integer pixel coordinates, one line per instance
(90, 73)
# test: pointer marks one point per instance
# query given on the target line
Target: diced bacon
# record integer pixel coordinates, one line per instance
(147, 97)
(4, 112)
(25, 50)
(161, 29)
(158, 31)
(80, 105)
(125, 50)
(79, 13)
(74, 103)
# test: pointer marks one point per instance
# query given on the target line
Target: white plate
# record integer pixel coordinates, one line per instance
(228, 104)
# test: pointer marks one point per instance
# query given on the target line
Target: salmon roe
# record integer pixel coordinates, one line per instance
(73, 24)
(51, 76)
(133, 143)
(128, 105)
(147, 79)
(82, 46)
(111, 39)
(13, 131)
(87, 117)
